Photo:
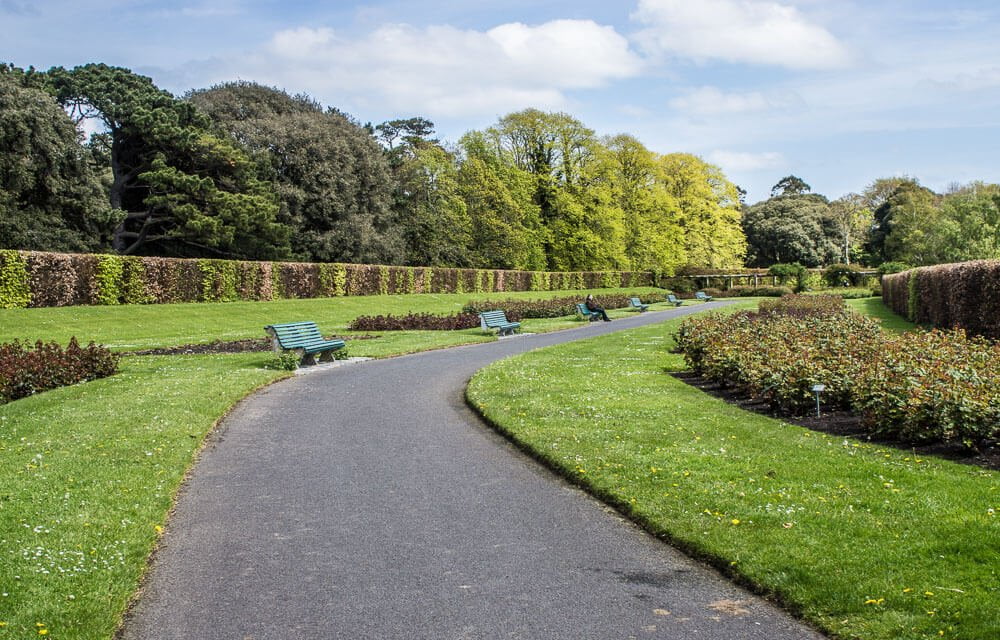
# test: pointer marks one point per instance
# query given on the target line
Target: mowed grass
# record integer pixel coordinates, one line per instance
(861, 540)
(136, 327)
(88, 474)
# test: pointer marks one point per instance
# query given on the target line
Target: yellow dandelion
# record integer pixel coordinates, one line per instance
(735, 521)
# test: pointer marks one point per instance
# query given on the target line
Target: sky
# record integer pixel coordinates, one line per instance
(838, 93)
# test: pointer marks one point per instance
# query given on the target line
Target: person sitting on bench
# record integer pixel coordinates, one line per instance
(594, 307)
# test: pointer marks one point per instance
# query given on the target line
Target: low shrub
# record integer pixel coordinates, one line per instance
(551, 308)
(25, 370)
(751, 292)
(922, 387)
(418, 322)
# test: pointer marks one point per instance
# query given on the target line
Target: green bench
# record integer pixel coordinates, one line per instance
(304, 339)
(672, 299)
(490, 320)
(637, 304)
(583, 311)
(701, 295)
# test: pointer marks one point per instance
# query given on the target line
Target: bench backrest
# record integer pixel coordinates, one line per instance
(636, 302)
(700, 294)
(672, 298)
(493, 318)
(582, 308)
(292, 335)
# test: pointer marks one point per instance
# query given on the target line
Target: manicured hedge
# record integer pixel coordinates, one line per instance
(38, 279)
(551, 308)
(417, 322)
(25, 370)
(965, 295)
(937, 386)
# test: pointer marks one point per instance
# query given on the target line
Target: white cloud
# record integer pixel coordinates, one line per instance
(745, 161)
(740, 31)
(712, 100)
(445, 71)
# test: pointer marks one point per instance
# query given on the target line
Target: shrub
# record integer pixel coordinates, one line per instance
(551, 308)
(419, 321)
(14, 287)
(842, 275)
(750, 292)
(25, 371)
(918, 387)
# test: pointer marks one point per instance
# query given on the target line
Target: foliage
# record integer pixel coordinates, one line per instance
(892, 267)
(15, 290)
(790, 228)
(965, 295)
(842, 275)
(327, 172)
(418, 321)
(751, 292)
(51, 198)
(178, 188)
(918, 387)
(286, 361)
(790, 186)
(548, 308)
(25, 371)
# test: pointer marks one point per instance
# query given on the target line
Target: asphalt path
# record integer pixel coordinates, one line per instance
(368, 501)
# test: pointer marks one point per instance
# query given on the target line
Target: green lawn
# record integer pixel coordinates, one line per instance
(133, 327)
(87, 476)
(863, 541)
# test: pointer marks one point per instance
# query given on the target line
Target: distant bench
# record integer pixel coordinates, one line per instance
(636, 303)
(672, 299)
(304, 339)
(490, 320)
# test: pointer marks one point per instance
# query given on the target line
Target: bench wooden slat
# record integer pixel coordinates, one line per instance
(497, 320)
(304, 337)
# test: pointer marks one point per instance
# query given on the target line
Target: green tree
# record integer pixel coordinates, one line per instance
(710, 210)
(790, 186)
(853, 221)
(974, 211)
(51, 199)
(906, 225)
(507, 231)
(790, 228)
(330, 175)
(179, 188)
(653, 235)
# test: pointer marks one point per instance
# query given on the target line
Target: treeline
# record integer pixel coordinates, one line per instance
(242, 171)
(893, 220)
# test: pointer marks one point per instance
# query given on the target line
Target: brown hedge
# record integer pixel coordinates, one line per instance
(964, 295)
(64, 279)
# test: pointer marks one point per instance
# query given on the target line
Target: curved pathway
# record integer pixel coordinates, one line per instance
(368, 501)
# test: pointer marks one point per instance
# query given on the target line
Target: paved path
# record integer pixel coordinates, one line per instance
(368, 501)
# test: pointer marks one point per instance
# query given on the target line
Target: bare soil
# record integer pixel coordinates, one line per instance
(846, 424)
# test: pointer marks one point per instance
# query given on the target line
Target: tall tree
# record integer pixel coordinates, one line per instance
(790, 228)
(900, 202)
(180, 190)
(710, 210)
(853, 220)
(51, 199)
(790, 186)
(330, 175)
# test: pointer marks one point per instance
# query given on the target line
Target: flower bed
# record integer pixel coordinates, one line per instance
(551, 308)
(921, 387)
(418, 321)
(25, 371)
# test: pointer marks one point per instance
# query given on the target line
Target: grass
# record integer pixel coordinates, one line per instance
(134, 327)
(88, 475)
(860, 540)
(875, 308)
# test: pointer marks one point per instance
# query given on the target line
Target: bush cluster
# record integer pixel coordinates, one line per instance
(551, 308)
(964, 295)
(40, 279)
(749, 292)
(25, 370)
(938, 386)
(419, 321)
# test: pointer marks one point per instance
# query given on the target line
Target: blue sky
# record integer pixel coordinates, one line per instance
(838, 93)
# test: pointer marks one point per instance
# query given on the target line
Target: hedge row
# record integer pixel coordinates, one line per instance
(917, 387)
(37, 279)
(551, 308)
(965, 295)
(25, 370)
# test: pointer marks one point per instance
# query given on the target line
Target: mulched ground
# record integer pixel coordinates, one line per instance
(231, 346)
(842, 423)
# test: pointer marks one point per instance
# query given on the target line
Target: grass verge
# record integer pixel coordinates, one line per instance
(88, 474)
(862, 541)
